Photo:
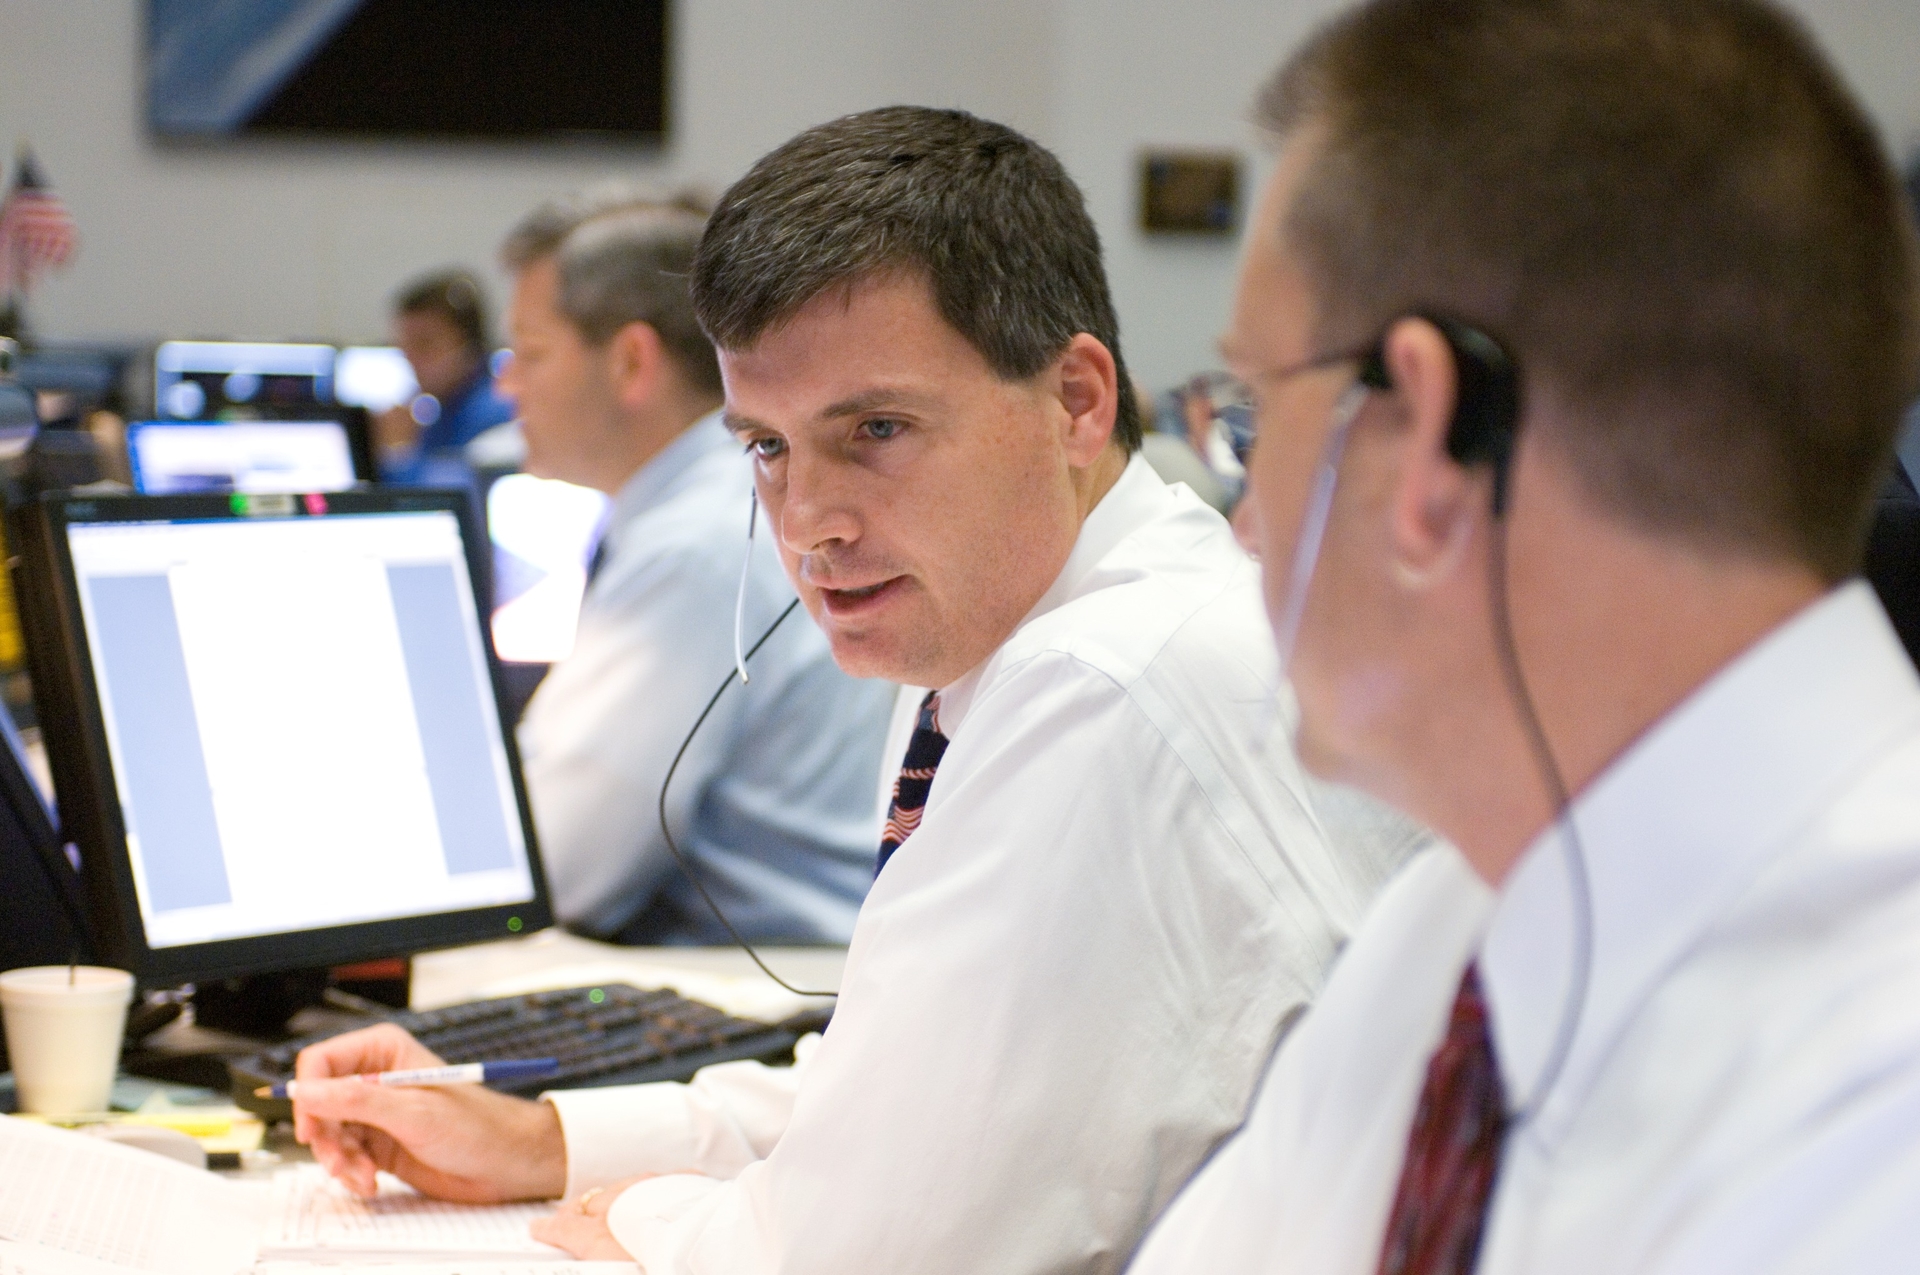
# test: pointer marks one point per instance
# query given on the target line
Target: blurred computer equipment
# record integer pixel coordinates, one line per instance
(71, 380)
(199, 380)
(375, 377)
(186, 457)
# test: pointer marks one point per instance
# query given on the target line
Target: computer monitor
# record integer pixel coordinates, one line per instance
(279, 742)
(184, 457)
(375, 377)
(195, 380)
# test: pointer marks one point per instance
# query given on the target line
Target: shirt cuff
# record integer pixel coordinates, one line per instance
(624, 1131)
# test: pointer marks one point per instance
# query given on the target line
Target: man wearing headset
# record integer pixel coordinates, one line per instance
(1104, 887)
(440, 325)
(1582, 329)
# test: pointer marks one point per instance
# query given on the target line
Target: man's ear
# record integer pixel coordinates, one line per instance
(636, 362)
(1435, 499)
(1089, 389)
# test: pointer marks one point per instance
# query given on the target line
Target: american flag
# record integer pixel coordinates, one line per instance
(36, 231)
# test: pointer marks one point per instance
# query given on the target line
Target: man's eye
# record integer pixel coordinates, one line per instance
(882, 428)
(766, 448)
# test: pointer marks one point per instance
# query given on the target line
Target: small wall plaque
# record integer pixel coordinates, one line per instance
(1189, 192)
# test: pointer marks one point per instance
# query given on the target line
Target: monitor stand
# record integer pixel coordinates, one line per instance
(238, 1017)
(257, 1005)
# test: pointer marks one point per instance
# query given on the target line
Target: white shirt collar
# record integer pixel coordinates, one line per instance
(1678, 826)
(1134, 500)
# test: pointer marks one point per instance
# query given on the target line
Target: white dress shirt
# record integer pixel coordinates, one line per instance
(773, 802)
(1062, 987)
(1742, 1091)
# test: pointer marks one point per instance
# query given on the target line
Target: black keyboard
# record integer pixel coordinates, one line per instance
(608, 1035)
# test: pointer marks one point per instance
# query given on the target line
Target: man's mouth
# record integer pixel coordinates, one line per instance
(842, 603)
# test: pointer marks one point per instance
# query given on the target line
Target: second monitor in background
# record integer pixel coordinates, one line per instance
(195, 380)
(191, 457)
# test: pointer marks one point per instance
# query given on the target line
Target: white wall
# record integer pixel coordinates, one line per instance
(284, 239)
(1149, 72)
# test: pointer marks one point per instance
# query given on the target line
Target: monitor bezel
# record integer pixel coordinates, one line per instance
(61, 665)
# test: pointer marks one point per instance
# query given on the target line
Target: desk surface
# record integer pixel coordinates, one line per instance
(722, 976)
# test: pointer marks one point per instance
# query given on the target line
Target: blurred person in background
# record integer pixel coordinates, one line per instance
(617, 389)
(440, 324)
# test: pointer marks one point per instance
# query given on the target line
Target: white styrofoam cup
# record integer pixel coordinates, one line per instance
(63, 1029)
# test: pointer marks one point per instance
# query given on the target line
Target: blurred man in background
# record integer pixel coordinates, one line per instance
(618, 389)
(440, 324)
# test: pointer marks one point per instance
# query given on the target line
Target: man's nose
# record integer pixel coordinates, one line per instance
(815, 505)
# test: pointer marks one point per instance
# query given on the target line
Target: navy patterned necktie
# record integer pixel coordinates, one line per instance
(1453, 1151)
(924, 752)
(598, 558)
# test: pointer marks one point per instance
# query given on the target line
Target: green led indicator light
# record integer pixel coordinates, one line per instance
(238, 504)
(596, 996)
(513, 923)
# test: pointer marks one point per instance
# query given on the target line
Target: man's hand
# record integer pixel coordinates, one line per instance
(453, 1142)
(581, 1227)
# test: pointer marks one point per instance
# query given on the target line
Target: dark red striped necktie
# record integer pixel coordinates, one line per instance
(924, 752)
(1453, 1152)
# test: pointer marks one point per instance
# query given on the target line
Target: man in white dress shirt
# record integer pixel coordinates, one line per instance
(1106, 890)
(617, 389)
(1675, 1026)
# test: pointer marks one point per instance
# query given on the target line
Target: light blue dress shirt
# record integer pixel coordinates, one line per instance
(773, 804)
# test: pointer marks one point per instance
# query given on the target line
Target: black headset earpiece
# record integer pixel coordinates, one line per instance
(1486, 414)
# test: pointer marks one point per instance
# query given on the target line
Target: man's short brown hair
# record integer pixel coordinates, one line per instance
(455, 296)
(622, 257)
(1672, 214)
(989, 217)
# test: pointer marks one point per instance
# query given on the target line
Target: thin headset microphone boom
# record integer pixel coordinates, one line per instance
(739, 670)
(740, 598)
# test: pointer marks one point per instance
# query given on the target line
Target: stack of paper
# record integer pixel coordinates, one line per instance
(92, 1199)
(314, 1218)
(74, 1205)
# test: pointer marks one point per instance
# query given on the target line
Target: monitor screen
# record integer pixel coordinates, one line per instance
(375, 377)
(424, 68)
(169, 457)
(193, 380)
(300, 755)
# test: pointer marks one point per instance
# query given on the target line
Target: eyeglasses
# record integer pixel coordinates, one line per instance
(1235, 417)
